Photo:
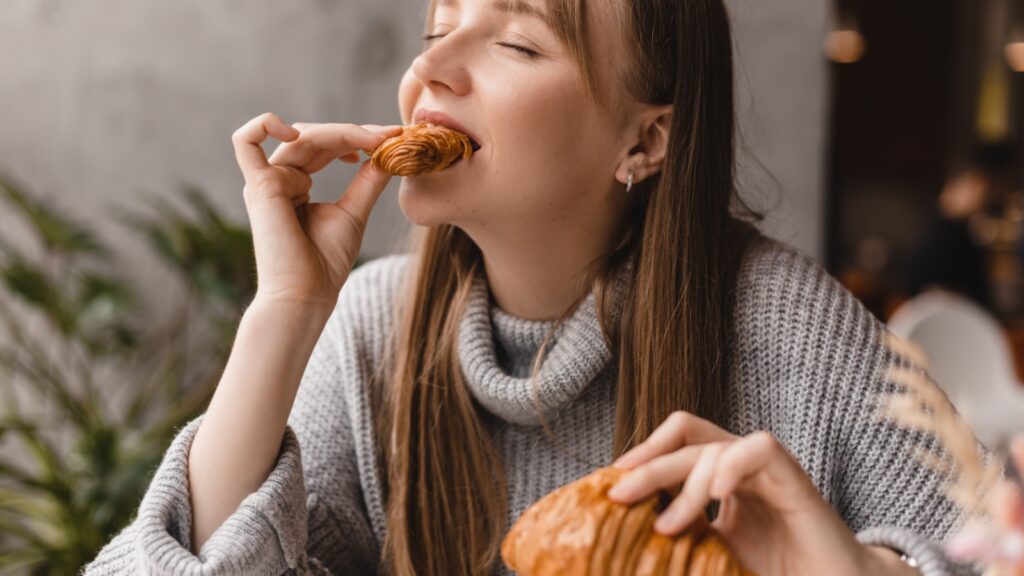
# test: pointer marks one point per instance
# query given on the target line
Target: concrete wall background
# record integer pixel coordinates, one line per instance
(782, 98)
(104, 101)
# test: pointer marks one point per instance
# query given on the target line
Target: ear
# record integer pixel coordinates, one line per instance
(646, 147)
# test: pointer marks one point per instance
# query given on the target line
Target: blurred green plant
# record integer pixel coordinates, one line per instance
(78, 453)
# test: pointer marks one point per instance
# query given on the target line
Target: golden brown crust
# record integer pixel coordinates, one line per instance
(636, 529)
(578, 531)
(655, 555)
(600, 560)
(679, 562)
(421, 148)
(578, 510)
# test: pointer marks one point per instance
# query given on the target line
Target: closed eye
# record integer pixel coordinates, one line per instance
(521, 49)
(429, 38)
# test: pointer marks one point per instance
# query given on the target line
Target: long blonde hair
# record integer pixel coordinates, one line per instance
(445, 486)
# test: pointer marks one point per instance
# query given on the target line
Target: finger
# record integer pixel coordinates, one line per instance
(332, 139)
(248, 141)
(302, 183)
(362, 193)
(743, 459)
(695, 495)
(1003, 504)
(350, 158)
(1017, 453)
(389, 130)
(286, 182)
(322, 159)
(302, 155)
(295, 154)
(678, 430)
(346, 138)
(661, 472)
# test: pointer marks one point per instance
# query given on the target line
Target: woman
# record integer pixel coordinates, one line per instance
(590, 242)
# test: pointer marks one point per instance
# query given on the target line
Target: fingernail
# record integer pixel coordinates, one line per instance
(666, 522)
(620, 491)
(622, 461)
(383, 129)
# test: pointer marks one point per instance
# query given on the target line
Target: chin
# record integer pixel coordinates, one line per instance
(425, 203)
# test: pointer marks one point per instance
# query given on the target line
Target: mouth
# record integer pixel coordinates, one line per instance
(424, 116)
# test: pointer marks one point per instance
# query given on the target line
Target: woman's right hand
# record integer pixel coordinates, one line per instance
(305, 251)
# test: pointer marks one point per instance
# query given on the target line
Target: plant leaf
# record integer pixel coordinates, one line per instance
(55, 231)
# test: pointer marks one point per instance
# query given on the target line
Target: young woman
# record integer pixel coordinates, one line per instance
(585, 288)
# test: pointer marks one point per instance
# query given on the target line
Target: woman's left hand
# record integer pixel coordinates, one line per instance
(771, 515)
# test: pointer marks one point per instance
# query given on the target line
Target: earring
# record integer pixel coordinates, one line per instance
(629, 182)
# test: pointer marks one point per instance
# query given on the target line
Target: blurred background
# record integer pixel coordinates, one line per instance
(883, 139)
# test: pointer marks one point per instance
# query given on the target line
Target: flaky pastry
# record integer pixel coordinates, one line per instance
(421, 148)
(578, 531)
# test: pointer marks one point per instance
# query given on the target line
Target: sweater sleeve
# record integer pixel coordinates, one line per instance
(307, 517)
(829, 364)
(265, 535)
(887, 495)
(884, 492)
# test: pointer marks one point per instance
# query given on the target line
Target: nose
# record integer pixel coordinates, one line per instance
(443, 66)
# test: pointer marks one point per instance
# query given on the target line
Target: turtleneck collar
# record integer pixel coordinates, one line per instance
(497, 350)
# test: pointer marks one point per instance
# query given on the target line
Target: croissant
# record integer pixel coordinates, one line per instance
(420, 149)
(578, 531)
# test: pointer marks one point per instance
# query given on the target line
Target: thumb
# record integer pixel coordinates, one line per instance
(364, 190)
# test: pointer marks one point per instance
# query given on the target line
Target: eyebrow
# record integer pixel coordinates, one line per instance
(511, 6)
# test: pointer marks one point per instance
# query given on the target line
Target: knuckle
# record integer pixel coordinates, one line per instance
(711, 450)
(357, 223)
(680, 419)
(367, 178)
(305, 182)
(765, 440)
(730, 459)
(645, 475)
(267, 186)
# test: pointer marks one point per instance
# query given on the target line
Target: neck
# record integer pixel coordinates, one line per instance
(539, 276)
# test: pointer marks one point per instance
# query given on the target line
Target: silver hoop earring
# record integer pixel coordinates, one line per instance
(629, 182)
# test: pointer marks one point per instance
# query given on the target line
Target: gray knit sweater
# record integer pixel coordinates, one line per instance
(807, 368)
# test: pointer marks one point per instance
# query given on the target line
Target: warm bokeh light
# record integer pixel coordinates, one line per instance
(845, 46)
(1015, 55)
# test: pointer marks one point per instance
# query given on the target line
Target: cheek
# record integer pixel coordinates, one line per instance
(537, 119)
(408, 92)
(547, 145)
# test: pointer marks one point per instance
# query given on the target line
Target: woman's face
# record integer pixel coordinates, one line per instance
(548, 153)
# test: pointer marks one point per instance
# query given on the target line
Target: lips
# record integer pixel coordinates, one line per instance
(438, 118)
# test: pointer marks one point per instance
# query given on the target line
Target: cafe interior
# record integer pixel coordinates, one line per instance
(908, 187)
(925, 185)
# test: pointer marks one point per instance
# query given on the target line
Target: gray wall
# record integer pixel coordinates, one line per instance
(782, 100)
(105, 101)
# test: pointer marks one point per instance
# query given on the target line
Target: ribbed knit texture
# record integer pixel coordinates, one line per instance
(808, 366)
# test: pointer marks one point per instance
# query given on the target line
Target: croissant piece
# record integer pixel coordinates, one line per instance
(421, 148)
(578, 531)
